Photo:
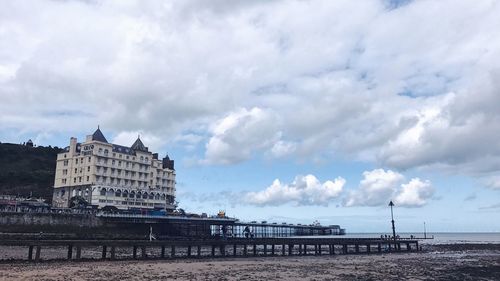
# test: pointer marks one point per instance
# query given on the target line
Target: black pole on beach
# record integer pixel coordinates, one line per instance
(392, 221)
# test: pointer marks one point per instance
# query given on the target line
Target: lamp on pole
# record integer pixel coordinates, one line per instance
(392, 221)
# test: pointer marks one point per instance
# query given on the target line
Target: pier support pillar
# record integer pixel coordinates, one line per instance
(265, 249)
(113, 251)
(283, 249)
(379, 247)
(104, 252)
(172, 251)
(143, 252)
(290, 249)
(162, 251)
(234, 250)
(37, 252)
(344, 248)
(199, 251)
(223, 250)
(368, 248)
(356, 248)
(408, 247)
(272, 250)
(319, 249)
(134, 252)
(300, 249)
(245, 250)
(78, 252)
(30, 253)
(255, 249)
(189, 251)
(70, 251)
(213, 250)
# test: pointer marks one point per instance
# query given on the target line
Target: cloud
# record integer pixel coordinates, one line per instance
(304, 190)
(240, 134)
(492, 182)
(393, 83)
(414, 194)
(378, 187)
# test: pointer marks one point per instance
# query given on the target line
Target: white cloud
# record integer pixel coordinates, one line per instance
(240, 134)
(375, 188)
(402, 87)
(378, 187)
(492, 182)
(414, 194)
(304, 190)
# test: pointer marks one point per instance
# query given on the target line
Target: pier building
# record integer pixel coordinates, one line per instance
(107, 174)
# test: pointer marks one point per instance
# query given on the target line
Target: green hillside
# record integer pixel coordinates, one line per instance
(27, 170)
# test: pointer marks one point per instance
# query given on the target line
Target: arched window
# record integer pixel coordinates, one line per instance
(111, 192)
(118, 193)
(163, 197)
(139, 195)
(103, 192)
(145, 195)
(151, 195)
(132, 194)
(125, 194)
(157, 196)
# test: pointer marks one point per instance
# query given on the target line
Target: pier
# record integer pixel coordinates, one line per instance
(210, 248)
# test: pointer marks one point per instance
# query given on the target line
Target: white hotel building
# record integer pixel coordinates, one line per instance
(107, 174)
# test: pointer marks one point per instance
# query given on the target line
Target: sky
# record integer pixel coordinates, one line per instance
(285, 111)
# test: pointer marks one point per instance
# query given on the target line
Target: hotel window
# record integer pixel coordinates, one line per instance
(106, 152)
(88, 178)
(88, 169)
(65, 172)
(74, 180)
(100, 150)
(76, 161)
(65, 163)
(76, 170)
(112, 162)
(89, 159)
(114, 154)
(79, 179)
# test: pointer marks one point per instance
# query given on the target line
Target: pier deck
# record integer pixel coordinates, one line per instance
(234, 247)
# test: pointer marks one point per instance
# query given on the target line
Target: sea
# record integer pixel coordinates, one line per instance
(441, 237)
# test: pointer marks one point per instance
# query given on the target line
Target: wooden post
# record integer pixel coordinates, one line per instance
(172, 251)
(143, 252)
(104, 251)
(223, 250)
(113, 250)
(162, 251)
(37, 252)
(30, 253)
(70, 251)
(78, 252)
(134, 252)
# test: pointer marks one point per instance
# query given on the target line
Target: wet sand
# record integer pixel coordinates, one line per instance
(438, 262)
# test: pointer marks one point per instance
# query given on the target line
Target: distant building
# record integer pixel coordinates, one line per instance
(107, 174)
(29, 143)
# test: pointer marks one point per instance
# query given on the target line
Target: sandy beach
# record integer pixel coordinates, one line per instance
(438, 262)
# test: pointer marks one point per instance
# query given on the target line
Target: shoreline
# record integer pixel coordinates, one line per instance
(436, 262)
